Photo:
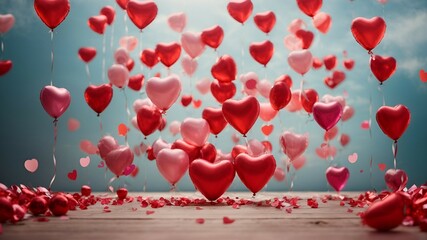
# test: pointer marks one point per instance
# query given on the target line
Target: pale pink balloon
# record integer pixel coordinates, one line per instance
(195, 131)
(326, 151)
(331, 134)
(327, 115)
(6, 23)
(139, 103)
(267, 113)
(220, 156)
(365, 125)
(203, 85)
(177, 21)
(134, 122)
(299, 162)
(293, 145)
(250, 82)
(296, 25)
(255, 148)
(31, 165)
(119, 159)
(159, 145)
(128, 42)
(235, 137)
(264, 86)
(348, 112)
(55, 101)
(85, 161)
(175, 128)
(118, 75)
(73, 124)
(192, 44)
(107, 144)
(88, 147)
(295, 104)
(163, 92)
(322, 21)
(189, 65)
(300, 61)
(292, 42)
(279, 174)
(136, 150)
(121, 56)
(172, 164)
(329, 98)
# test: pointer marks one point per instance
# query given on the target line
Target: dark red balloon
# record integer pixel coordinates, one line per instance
(317, 63)
(193, 152)
(58, 205)
(265, 21)
(223, 91)
(150, 154)
(348, 64)
(186, 100)
(262, 51)
(286, 79)
(215, 119)
(149, 57)
(162, 124)
(386, 214)
(86, 190)
(5, 66)
(330, 62)
(309, 7)
(213, 36)
(241, 114)
(168, 53)
(224, 70)
(141, 13)
(268, 146)
(87, 54)
(280, 95)
(308, 99)
(6, 210)
(240, 10)
(368, 32)
(306, 37)
(109, 12)
(393, 121)
(208, 152)
(122, 3)
(122, 193)
(52, 12)
(130, 64)
(337, 78)
(149, 119)
(136, 82)
(38, 205)
(98, 97)
(382, 67)
(98, 23)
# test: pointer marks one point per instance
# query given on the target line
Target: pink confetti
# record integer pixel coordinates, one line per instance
(236, 206)
(352, 158)
(227, 220)
(382, 166)
(129, 170)
(101, 164)
(73, 124)
(84, 162)
(200, 220)
(149, 212)
(365, 125)
(134, 209)
(31, 165)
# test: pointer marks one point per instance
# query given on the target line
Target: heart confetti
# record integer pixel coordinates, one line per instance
(31, 165)
(227, 220)
(84, 162)
(382, 166)
(72, 175)
(352, 158)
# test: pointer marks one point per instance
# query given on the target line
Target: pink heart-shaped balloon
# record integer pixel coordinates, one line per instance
(299, 162)
(295, 104)
(347, 113)
(6, 23)
(300, 61)
(189, 65)
(55, 101)
(128, 42)
(118, 75)
(172, 164)
(327, 115)
(325, 151)
(31, 165)
(293, 145)
(192, 44)
(159, 145)
(296, 25)
(267, 113)
(177, 21)
(264, 86)
(255, 148)
(84, 162)
(119, 159)
(105, 145)
(292, 42)
(203, 85)
(195, 131)
(396, 179)
(337, 177)
(163, 92)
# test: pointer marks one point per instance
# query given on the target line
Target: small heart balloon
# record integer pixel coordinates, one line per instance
(292, 43)
(385, 214)
(135, 82)
(344, 139)
(317, 63)
(55, 101)
(395, 179)
(31, 165)
(265, 21)
(300, 61)
(109, 12)
(241, 114)
(348, 64)
(203, 85)
(189, 65)
(224, 70)
(119, 159)
(262, 51)
(174, 127)
(330, 61)
(267, 129)
(6, 23)
(141, 13)
(255, 172)
(186, 100)
(149, 57)
(393, 121)
(322, 22)
(337, 177)
(215, 119)
(327, 115)
(52, 12)
(222, 91)
(299, 162)
(98, 23)
(192, 44)
(5, 66)
(87, 54)
(105, 145)
(122, 3)
(382, 67)
(98, 97)
(306, 37)
(129, 43)
(240, 10)
(309, 7)
(149, 119)
(163, 92)
(368, 32)
(168, 53)
(331, 134)
(177, 21)
(280, 95)
(337, 78)
(172, 164)
(264, 86)
(347, 113)
(211, 179)
(308, 98)
(296, 25)
(193, 152)
(295, 104)
(195, 131)
(118, 75)
(293, 145)
(213, 36)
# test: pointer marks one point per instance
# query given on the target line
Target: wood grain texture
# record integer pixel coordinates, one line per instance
(329, 221)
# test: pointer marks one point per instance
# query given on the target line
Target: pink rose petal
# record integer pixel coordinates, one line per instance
(200, 220)
(149, 212)
(84, 162)
(73, 124)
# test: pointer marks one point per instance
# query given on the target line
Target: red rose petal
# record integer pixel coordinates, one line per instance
(200, 220)
(227, 220)
(199, 208)
(149, 212)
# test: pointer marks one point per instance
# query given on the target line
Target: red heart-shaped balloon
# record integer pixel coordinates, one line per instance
(149, 57)
(223, 91)
(215, 119)
(98, 97)
(52, 12)
(386, 214)
(309, 7)
(5, 66)
(393, 121)
(149, 119)
(280, 95)
(240, 10)
(382, 67)
(262, 51)
(336, 79)
(213, 36)
(308, 99)
(237, 150)
(349, 64)
(368, 32)
(130, 64)
(344, 139)
(241, 114)
(135, 82)
(87, 54)
(72, 175)
(141, 13)
(267, 129)
(98, 23)
(208, 152)
(224, 70)
(396, 179)
(265, 21)
(337, 177)
(330, 62)
(55, 101)
(327, 115)
(285, 78)
(168, 53)
(306, 37)
(193, 152)
(255, 172)
(212, 179)
(186, 100)
(109, 12)
(122, 3)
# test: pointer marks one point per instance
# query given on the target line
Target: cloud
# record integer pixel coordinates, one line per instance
(411, 65)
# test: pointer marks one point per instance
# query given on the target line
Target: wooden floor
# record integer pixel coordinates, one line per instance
(130, 221)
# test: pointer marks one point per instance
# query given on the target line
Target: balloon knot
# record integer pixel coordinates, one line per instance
(145, 137)
(216, 136)
(98, 114)
(244, 135)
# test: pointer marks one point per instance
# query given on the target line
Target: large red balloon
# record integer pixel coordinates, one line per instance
(385, 214)
(149, 57)
(87, 54)
(149, 119)
(224, 70)
(240, 10)
(308, 99)
(98, 97)
(265, 21)
(52, 12)
(215, 119)
(168, 53)
(262, 51)
(223, 91)
(393, 121)
(309, 7)
(382, 67)
(141, 13)
(280, 95)
(212, 179)
(306, 37)
(241, 114)
(213, 36)
(255, 172)
(368, 32)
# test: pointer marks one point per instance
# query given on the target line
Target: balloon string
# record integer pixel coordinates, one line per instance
(112, 37)
(125, 19)
(246, 141)
(128, 114)
(394, 150)
(291, 187)
(140, 49)
(51, 57)
(88, 73)
(382, 93)
(370, 172)
(101, 129)
(173, 188)
(55, 135)
(103, 57)
(1, 47)
(370, 116)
